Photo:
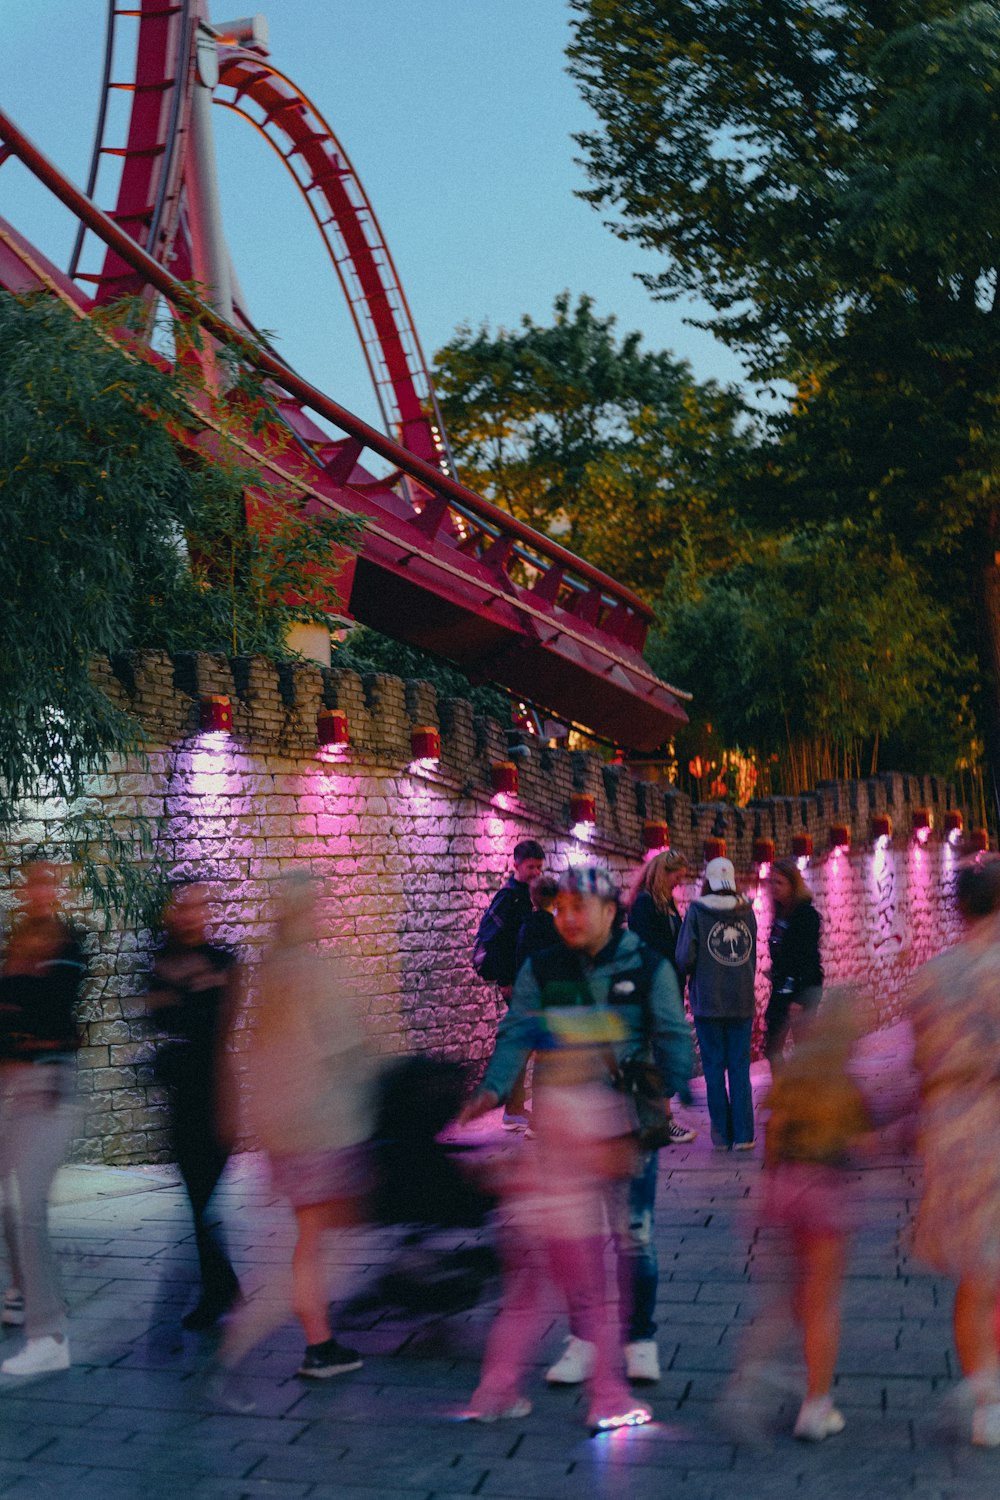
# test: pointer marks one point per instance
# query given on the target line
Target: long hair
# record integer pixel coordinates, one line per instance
(800, 891)
(651, 877)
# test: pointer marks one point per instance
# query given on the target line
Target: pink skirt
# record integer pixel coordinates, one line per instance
(811, 1198)
(308, 1177)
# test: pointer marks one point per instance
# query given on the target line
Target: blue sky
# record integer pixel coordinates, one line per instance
(457, 115)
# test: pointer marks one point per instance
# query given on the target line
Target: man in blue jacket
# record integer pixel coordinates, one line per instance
(600, 964)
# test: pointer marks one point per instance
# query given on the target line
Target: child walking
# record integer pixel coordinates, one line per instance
(555, 1234)
(818, 1114)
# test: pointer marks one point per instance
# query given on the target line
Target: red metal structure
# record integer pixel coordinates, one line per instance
(439, 566)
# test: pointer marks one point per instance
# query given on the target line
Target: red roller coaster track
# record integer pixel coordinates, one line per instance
(436, 560)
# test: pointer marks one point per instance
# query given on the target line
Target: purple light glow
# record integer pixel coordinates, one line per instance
(922, 835)
(583, 832)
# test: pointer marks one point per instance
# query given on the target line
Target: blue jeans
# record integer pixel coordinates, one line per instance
(724, 1044)
(638, 1270)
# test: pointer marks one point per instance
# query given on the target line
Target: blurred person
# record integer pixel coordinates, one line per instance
(818, 1115)
(717, 947)
(538, 930)
(310, 1084)
(494, 952)
(654, 918)
(192, 998)
(40, 978)
(796, 967)
(954, 1009)
(598, 976)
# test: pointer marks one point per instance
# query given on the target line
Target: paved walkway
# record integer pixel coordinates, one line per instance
(132, 1418)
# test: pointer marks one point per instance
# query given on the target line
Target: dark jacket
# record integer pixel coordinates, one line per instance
(717, 946)
(559, 978)
(657, 928)
(192, 1000)
(793, 945)
(498, 931)
(538, 931)
(38, 1010)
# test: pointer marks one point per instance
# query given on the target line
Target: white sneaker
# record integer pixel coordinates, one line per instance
(986, 1425)
(13, 1308)
(38, 1357)
(574, 1365)
(818, 1418)
(517, 1409)
(642, 1360)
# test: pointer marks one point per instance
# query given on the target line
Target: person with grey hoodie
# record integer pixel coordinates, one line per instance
(717, 947)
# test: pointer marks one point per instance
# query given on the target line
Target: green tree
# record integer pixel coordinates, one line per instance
(823, 175)
(615, 450)
(119, 533)
(809, 654)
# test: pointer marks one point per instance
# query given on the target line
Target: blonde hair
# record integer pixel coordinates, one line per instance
(650, 877)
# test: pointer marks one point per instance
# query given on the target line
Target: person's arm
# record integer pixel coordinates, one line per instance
(515, 1040)
(686, 955)
(669, 1031)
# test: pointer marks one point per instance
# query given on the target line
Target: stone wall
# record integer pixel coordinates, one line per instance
(410, 854)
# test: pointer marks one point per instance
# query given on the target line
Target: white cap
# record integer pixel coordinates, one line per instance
(721, 876)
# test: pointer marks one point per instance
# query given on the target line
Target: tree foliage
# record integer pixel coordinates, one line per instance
(120, 533)
(615, 450)
(824, 176)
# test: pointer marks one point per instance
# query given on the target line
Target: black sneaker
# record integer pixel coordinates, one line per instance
(326, 1359)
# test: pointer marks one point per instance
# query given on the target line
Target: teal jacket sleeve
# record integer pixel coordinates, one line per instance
(670, 1032)
(516, 1034)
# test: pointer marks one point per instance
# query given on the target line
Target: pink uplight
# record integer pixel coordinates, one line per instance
(922, 835)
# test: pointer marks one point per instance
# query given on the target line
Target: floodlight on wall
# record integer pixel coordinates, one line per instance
(979, 840)
(882, 829)
(763, 852)
(714, 848)
(802, 845)
(840, 838)
(954, 825)
(582, 810)
(332, 728)
(922, 822)
(655, 836)
(216, 713)
(503, 777)
(425, 744)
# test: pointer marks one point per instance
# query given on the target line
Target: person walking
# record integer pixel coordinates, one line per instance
(818, 1115)
(654, 918)
(40, 977)
(192, 998)
(717, 947)
(796, 967)
(600, 971)
(494, 952)
(954, 1009)
(310, 1076)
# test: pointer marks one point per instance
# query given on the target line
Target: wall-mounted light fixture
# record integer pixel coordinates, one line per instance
(840, 837)
(425, 743)
(802, 845)
(763, 851)
(503, 777)
(882, 829)
(979, 840)
(582, 810)
(332, 728)
(922, 822)
(954, 824)
(714, 848)
(216, 713)
(655, 835)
